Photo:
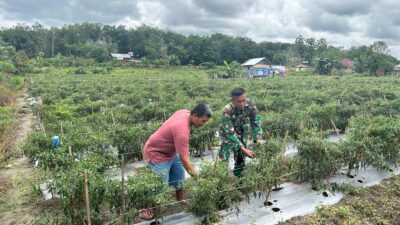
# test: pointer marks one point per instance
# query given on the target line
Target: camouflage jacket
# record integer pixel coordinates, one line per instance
(238, 123)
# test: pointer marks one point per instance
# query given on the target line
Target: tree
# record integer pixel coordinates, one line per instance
(21, 62)
(325, 65)
(233, 69)
(380, 47)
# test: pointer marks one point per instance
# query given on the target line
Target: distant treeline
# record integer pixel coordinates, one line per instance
(97, 41)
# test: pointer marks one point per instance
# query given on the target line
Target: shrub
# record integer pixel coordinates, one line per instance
(7, 67)
(6, 95)
(17, 82)
(81, 70)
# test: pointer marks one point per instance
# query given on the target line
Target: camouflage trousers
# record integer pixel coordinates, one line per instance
(240, 159)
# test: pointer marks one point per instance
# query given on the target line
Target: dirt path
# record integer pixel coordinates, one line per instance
(18, 204)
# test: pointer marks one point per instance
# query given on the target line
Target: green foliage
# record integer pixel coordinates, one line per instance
(303, 72)
(372, 141)
(232, 69)
(106, 114)
(146, 190)
(325, 66)
(69, 185)
(214, 188)
(36, 143)
(61, 112)
(204, 138)
(17, 82)
(6, 116)
(318, 158)
(267, 170)
(7, 67)
(81, 70)
(21, 62)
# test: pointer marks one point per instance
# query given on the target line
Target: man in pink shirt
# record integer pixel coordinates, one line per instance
(167, 150)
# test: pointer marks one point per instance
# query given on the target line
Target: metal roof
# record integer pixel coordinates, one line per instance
(252, 62)
(119, 55)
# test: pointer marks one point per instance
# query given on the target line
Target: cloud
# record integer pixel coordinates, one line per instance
(341, 22)
(60, 12)
(345, 7)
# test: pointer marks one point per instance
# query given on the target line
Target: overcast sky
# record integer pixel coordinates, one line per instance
(342, 22)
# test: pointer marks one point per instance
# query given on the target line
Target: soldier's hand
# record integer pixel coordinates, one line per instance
(249, 153)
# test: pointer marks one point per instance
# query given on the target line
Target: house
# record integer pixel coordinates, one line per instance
(256, 67)
(122, 57)
(301, 67)
(396, 70)
(347, 63)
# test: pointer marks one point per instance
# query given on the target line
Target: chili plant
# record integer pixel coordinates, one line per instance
(214, 188)
(146, 190)
(70, 186)
(318, 158)
(267, 169)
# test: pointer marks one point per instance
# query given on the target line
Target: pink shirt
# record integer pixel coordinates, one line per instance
(171, 138)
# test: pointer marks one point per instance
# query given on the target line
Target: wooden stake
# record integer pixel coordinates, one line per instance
(112, 117)
(43, 129)
(62, 130)
(283, 149)
(122, 190)
(334, 126)
(70, 150)
(87, 197)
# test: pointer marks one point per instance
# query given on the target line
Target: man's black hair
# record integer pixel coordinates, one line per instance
(201, 110)
(238, 92)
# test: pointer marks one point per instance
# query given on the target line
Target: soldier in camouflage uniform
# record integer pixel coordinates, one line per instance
(240, 120)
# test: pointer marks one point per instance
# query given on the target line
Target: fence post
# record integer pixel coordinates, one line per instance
(87, 197)
(122, 189)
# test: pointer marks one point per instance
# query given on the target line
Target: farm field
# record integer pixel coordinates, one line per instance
(102, 118)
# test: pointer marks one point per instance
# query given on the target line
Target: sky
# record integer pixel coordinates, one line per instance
(343, 23)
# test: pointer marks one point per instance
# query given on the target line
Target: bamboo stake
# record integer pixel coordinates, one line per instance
(87, 197)
(321, 131)
(334, 126)
(283, 149)
(122, 189)
(43, 129)
(112, 117)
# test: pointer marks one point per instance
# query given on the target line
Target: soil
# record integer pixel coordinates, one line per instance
(19, 204)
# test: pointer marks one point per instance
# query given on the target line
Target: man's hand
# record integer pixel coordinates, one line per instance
(188, 166)
(247, 152)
